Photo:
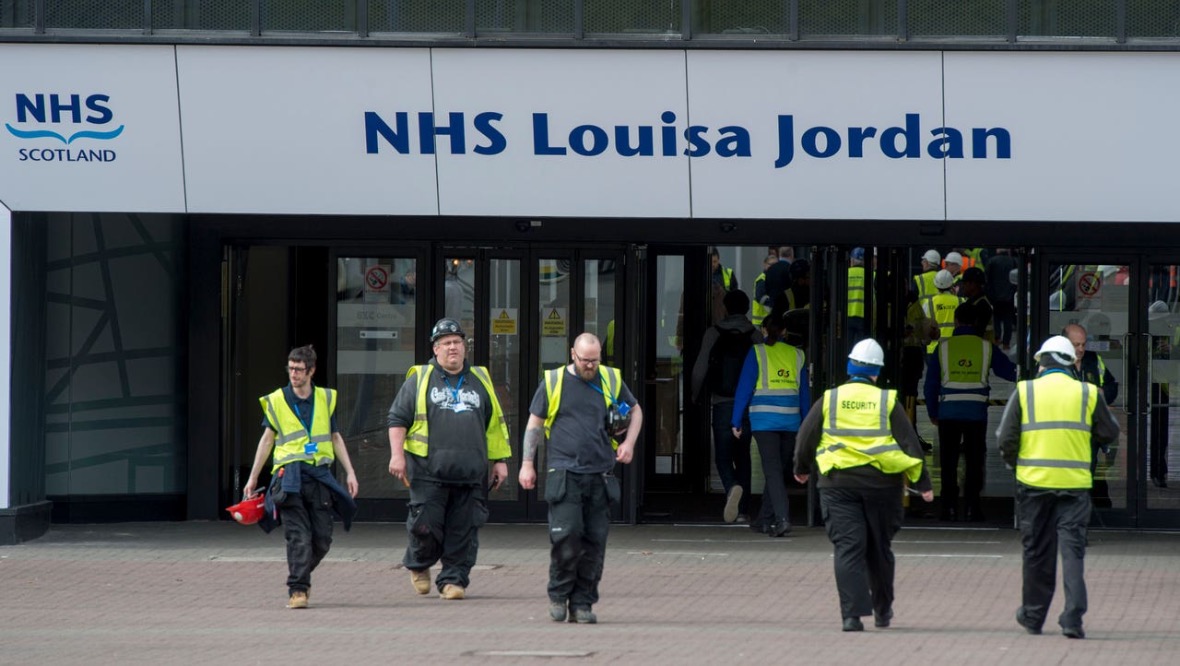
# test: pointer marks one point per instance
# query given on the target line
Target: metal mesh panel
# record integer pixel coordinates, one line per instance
(200, 14)
(16, 13)
(309, 15)
(715, 17)
(547, 16)
(1153, 18)
(446, 16)
(632, 16)
(1066, 18)
(88, 15)
(964, 17)
(847, 17)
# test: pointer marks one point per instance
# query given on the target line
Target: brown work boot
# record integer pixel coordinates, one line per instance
(451, 591)
(421, 581)
(298, 599)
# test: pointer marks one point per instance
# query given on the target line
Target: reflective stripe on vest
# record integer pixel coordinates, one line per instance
(1057, 412)
(856, 291)
(925, 285)
(418, 437)
(856, 432)
(292, 441)
(726, 278)
(776, 390)
(964, 361)
(612, 378)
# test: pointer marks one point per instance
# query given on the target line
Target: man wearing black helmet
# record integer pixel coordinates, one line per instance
(445, 424)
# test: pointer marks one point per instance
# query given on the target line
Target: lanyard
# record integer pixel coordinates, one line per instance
(454, 391)
(598, 388)
(299, 412)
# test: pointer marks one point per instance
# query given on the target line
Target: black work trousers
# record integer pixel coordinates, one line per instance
(443, 524)
(307, 526)
(861, 524)
(579, 521)
(969, 439)
(1052, 520)
(777, 448)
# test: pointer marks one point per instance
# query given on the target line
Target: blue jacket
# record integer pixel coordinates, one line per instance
(291, 481)
(763, 421)
(1001, 366)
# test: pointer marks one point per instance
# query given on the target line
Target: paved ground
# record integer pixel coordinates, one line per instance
(204, 593)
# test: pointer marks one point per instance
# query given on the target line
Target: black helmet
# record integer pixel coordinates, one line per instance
(446, 326)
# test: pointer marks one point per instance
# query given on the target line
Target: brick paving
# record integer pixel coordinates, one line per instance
(214, 593)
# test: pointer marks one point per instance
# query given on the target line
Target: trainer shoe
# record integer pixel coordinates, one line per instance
(298, 599)
(583, 616)
(557, 611)
(780, 529)
(853, 624)
(1029, 625)
(731, 504)
(421, 581)
(451, 591)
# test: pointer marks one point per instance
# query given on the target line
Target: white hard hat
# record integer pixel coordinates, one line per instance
(932, 257)
(943, 279)
(1060, 348)
(867, 352)
(954, 258)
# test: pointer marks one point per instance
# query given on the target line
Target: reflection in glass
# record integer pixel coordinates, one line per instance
(505, 357)
(375, 326)
(459, 296)
(669, 363)
(1163, 326)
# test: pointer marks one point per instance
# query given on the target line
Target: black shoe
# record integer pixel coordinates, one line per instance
(1159, 483)
(780, 529)
(881, 620)
(1022, 620)
(1073, 632)
(583, 616)
(853, 624)
(557, 611)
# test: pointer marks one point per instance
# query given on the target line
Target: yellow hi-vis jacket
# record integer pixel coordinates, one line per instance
(758, 310)
(418, 437)
(924, 282)
(856, 291)
(856, 432)
(1056, 415)
(941, 308)
(612, 383)
(292, 441)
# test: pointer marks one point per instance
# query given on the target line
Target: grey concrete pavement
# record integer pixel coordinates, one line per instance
(213, 593)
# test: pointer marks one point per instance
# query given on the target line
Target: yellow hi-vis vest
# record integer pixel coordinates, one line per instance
(856, 291)
(418, 438)
(925, 284)
(292, 441)
(941, 308)
(758, 310)
(856, 432)
(964, 361)
(611, 379)
(1056, 414)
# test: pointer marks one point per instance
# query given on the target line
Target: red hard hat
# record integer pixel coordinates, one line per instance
(248, 511)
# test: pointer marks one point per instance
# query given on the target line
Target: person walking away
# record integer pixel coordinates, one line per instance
(579, 409)
(303, 493)
(865, 449)
(774, 387)
(957, 392)
(445, 425)
(1002, 294)
(973, 291)
(1047, 433)
(718, 367)
(940, 309)
(856, 295)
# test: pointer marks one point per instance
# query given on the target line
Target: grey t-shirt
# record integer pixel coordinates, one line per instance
(578, 441)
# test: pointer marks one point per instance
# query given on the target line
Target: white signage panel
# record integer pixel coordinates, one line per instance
(89, 129)
(816, 134)
(561, 132)
(1092, 136)
(306, 130)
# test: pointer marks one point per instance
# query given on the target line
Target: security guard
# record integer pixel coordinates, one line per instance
(940, 308)
(865, 449)
(1047, 434)
(445, 424)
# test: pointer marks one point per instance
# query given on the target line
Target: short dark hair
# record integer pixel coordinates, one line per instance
(965, 313)
(736, 302)
(304, 355)
(974, 274)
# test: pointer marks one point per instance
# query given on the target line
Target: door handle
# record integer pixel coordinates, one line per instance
(661, 380)
(1150, 374)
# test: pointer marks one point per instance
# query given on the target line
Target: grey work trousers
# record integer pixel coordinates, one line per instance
(1051, 520)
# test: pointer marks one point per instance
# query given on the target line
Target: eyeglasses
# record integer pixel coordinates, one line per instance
(296, 370)
(586, 361)
(450, 342)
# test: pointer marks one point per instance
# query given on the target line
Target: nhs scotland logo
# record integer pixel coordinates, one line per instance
(55, 119)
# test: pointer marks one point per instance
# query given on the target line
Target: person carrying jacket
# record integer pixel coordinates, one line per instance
(445, 425)
(1047, 434)
(299, 424)
(774, 388)
(581, 411)
(957, 392)
(718, 374)
(861, 443)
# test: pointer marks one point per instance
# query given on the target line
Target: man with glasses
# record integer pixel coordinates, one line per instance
(580, 409)
(445, 425)
(301, 417)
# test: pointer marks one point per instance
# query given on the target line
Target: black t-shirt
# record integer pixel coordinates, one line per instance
(578, 441)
